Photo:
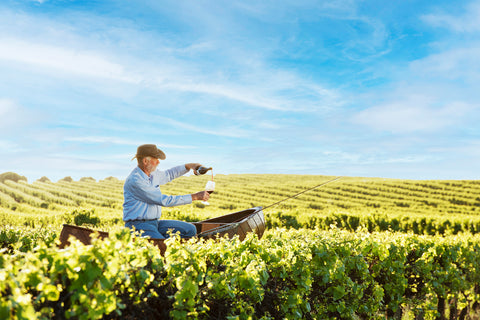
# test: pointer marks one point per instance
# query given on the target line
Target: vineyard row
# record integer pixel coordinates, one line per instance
(286, 275)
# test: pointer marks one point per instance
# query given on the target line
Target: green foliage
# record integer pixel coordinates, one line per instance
(386, 269)
(44, 179)
(82, 217)
(417, 223)
(23, 239)
(66, 179)
(11, 176)
(81, 282)
(304, 274)
(420, 207)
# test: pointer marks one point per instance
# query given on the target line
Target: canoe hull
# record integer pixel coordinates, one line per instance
(238, 223)
(230, 225)
(84, 235)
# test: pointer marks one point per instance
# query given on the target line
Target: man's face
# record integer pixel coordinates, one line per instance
(152, 164)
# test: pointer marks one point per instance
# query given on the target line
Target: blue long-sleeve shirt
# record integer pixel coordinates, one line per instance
(143, 198)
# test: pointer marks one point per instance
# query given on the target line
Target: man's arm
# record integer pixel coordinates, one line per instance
(143, 191)
(202, 195)
(192, 166)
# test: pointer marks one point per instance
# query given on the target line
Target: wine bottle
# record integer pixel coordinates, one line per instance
(203, 170)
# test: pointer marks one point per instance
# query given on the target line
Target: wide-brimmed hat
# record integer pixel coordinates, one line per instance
(149, 150)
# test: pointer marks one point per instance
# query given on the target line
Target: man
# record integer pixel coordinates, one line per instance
(143, 200)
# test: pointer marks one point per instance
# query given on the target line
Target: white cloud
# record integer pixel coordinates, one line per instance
(216, 131)
(269, 95)
(7, 109)
(10, 147)
(464, 147)
(458, 63)
(61, 59)
(14, 116)
(118, 141)
(61, 48)
(467, 22)
(278, 90)
(101, 139)
(414, 114)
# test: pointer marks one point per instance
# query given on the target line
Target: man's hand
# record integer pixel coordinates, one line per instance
(202, 195)
(192, 166)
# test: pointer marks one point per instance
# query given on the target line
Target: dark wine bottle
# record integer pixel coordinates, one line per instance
(203, 170)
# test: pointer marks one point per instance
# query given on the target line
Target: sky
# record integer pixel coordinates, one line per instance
(341, 87)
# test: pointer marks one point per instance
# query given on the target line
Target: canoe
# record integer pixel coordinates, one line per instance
(233, 224)
(238, 223)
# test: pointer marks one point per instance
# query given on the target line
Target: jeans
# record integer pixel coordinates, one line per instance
(158, 229)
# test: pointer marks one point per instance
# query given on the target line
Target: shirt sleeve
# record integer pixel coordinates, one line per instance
(143, 191)
(163, 177)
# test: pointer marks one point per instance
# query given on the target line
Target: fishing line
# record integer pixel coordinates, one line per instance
(210, 231)
(296, 195)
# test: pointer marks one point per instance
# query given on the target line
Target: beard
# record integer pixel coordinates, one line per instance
(151, 167)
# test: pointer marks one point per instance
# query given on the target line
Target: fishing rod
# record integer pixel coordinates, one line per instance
(221, 227)
(296, 195)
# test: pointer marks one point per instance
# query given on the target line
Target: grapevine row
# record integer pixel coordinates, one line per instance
(286, 275)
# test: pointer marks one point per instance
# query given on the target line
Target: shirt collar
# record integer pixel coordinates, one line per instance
(143, 174)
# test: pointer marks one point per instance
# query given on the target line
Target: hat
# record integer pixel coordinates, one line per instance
(149, 150)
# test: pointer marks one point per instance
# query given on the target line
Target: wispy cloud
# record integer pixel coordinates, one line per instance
(8, 111)
(270, 94)
(61, 59)
(122, 142)
(436, 92)
(338, 84)
(9, 147)
(413, 114)
(468, 22)
(277, 91)
(460, 63)
(15, 117)
(216, 131)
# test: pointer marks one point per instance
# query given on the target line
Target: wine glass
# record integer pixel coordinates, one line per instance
(209, 187)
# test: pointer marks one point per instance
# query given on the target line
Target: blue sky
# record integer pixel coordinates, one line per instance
(355, 88)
